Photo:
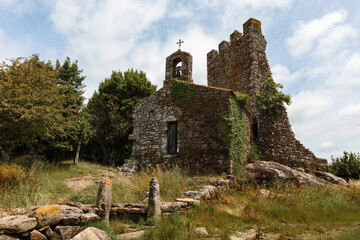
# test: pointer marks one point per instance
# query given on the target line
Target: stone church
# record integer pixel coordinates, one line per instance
(187, 133)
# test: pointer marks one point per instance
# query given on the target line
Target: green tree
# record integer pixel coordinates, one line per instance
(32, 104)
(69, 75)
(270, 99)
(110, 110)
(346, 166)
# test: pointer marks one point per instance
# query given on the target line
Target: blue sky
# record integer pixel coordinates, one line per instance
(313, 49)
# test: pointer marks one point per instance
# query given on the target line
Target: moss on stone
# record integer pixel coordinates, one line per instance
(181, 92)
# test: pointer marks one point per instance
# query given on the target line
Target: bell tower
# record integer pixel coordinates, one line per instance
(178, 65)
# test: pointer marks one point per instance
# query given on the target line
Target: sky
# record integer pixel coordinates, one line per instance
(312, 47)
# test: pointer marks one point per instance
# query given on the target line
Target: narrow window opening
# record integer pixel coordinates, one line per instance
(172, 138)
(178, 69)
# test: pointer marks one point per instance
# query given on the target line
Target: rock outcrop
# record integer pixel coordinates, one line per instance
(269, 171)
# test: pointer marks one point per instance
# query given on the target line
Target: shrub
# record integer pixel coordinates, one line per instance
(346, 166)
(270, 99)
(10, 173)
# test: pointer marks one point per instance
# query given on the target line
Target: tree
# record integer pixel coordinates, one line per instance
(84, 132)
(32, 104)
(110, 110)
(270, 99)
(63, 146)
(346, 166)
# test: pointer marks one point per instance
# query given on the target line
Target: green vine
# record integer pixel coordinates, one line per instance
(181, 92)
(233, 130)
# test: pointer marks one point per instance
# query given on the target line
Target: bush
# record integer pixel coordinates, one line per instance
(346, 166)
(10, 173)
(270, 99)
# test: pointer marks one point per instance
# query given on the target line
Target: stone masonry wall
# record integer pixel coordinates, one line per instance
(241, 65)
(277, 143)
(200, 148)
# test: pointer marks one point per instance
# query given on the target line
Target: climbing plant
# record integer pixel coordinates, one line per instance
(233, 130)
(181, 92)
(270, 100)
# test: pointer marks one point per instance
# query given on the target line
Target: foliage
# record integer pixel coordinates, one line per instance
(32, 104)
(181, 92)
(10, 174)
(242, 98)
(254, 153)
(110, 110)
(270, 99)
(233, 131)
(346, 166)
(69, 75)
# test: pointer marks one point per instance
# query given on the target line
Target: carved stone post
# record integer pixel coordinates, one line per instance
(103, 201)
(154, 205)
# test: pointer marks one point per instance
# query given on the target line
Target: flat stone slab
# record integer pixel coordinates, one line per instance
(188, 201)
(17, 224)
(170, 207)
(132, 235)
(129, 208)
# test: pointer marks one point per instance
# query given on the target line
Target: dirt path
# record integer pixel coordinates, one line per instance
(80, 183)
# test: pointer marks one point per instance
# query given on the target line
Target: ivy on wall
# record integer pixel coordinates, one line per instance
(233, 130)
(181, 92)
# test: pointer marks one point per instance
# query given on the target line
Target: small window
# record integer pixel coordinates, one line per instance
(172, 138)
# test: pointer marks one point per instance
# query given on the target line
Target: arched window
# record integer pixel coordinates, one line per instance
(177, 68)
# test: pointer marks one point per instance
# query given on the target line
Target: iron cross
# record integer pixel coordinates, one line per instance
(180, 42)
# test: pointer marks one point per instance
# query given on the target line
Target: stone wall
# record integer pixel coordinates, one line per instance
(241, 65)
(277, 143)
(200, 147)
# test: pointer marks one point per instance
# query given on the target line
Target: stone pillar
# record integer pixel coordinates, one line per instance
(154, 205)
(103, 201)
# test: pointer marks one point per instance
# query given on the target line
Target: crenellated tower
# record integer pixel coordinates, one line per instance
(240, 64)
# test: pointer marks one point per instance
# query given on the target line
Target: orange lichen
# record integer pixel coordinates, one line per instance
(108, 181)
(47, 210)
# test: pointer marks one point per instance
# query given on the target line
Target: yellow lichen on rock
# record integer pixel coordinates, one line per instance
(47, 210)
(108, 181)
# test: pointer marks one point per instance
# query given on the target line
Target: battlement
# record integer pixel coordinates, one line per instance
(240, 64)
(250, 27)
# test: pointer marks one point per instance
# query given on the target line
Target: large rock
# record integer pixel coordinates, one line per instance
(7, 237)
(70, 215)
(47, 215)
(67, 232)
(269, 171)
(17, 224)
(36, 235)
(92, 233)
(331, 178)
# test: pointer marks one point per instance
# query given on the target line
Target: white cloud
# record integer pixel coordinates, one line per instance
(247, 3)
(327, 145)
(104, 35)
(9, 48)
(352, 110)
(281, 74)
(16, 6)
(320, 34)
